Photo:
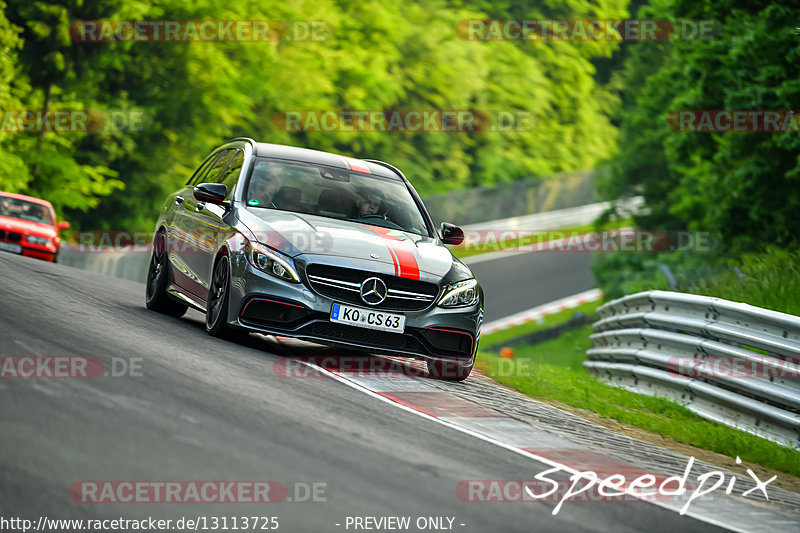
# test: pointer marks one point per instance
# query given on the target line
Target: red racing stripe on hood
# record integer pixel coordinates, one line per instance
(405, 263)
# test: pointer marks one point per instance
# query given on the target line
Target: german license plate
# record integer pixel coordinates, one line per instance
(13, 248)
(368, 318)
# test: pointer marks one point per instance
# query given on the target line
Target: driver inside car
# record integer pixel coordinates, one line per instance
(264, 184)
(368, 202)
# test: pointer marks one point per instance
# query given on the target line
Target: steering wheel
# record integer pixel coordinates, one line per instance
(390, 224)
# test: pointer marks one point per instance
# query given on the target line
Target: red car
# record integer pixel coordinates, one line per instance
(28, 226)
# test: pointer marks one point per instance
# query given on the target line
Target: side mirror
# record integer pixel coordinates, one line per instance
(213, 193)
(63, 225)
(452, 234)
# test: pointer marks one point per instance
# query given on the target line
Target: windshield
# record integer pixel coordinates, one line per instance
(334, 193)
(24, 210)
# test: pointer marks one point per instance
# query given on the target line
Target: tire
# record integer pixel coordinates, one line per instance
(449, 370)
(156, 297)
(218, 301)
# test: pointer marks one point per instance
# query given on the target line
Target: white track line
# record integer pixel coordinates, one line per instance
(543, 460)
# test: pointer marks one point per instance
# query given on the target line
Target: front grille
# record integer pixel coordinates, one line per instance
(283, 319)
(344, 284)
(10, 236)
(363, 336)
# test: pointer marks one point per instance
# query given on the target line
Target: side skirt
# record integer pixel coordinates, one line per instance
(175, 292)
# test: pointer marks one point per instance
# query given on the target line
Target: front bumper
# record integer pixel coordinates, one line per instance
(37, 252)
(43, 254)
(265, 304)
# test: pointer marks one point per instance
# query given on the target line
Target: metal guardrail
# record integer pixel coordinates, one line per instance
(561, 218)
(729, 362)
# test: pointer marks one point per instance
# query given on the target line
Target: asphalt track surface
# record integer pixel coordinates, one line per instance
(521, 281)
(208, 409)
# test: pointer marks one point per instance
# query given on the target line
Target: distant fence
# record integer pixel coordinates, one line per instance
(514, 199)
(132, 266)
(729, 362)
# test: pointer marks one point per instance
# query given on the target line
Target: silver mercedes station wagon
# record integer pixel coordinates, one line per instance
(316, 246)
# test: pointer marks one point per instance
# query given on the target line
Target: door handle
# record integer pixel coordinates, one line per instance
(200, 206)
(179, 200)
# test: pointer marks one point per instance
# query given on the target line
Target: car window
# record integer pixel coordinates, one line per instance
(202, 169)
(335, 193)
(231, 174)
(24, 210)
(219, 166)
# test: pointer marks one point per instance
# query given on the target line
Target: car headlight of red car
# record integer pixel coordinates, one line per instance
(41, 241)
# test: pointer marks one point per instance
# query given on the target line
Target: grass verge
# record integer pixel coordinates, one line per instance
(545, 322)
(553, 370)
(770, 279)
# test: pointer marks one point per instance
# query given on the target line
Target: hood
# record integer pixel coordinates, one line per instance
(26, 227)
(297, 233)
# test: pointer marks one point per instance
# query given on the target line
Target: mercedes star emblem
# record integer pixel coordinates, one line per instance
(373, 291)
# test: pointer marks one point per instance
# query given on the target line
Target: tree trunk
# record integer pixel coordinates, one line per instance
(47, 94)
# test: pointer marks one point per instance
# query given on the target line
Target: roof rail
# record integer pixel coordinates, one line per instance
(248, 139)
(387, 165)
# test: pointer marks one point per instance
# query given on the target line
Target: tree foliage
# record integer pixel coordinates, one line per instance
(380, 55)
(745, 187)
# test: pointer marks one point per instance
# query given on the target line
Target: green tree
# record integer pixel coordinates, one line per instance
(742, 186)
(380, 55)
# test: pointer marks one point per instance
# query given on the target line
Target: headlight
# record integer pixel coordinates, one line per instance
(273, 262)
(461, 294)
(41, 241)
